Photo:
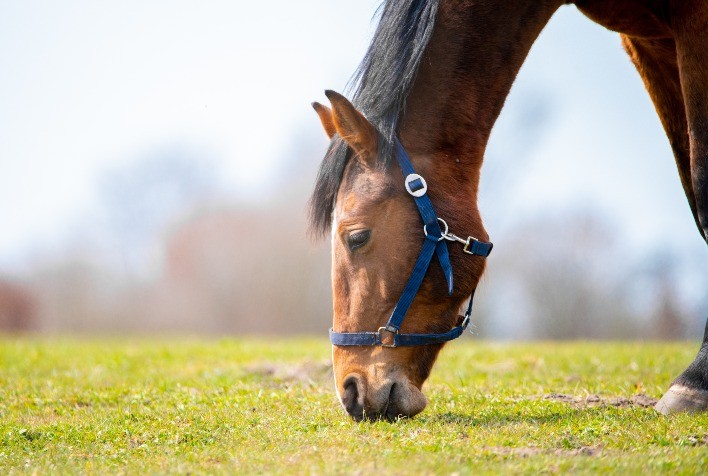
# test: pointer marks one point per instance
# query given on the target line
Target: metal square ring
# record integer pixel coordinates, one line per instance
(394, 333)
(470, 241)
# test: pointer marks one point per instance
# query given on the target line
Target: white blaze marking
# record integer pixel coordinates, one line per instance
(334, 236)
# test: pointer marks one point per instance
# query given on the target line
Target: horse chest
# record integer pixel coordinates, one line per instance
(637, 18)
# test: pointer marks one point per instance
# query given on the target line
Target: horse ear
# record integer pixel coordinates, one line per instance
(325, 114)
(353, 127)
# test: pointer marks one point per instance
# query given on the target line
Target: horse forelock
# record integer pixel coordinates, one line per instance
(379, 89)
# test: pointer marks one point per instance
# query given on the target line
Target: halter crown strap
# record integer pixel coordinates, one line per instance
(425, 207)
(435, 244)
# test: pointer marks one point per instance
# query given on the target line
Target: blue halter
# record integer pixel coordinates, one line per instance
(434, 244)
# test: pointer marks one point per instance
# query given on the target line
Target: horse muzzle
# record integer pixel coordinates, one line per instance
(390, 399)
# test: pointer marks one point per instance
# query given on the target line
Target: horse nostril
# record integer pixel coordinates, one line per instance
(353, 396)
(392, 412)
(404, 401)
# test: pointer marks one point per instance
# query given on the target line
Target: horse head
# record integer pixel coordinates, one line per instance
(377, 234)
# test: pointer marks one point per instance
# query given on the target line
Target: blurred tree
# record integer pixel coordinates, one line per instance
(561, 275)
(660, 280)
(18, 306)
(244, 271)
(251, 268)
(144, 197)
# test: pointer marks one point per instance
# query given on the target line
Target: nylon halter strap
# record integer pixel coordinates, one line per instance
(435, 244)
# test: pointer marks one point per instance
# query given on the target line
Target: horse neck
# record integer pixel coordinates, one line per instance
(470, 64)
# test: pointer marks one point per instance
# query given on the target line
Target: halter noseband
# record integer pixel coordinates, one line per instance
(434, 244)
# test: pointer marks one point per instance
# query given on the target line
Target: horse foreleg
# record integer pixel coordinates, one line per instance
(690, 22)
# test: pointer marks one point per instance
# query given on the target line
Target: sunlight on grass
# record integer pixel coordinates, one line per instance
(225, 406)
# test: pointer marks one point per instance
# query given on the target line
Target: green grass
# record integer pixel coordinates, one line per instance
(268, 406)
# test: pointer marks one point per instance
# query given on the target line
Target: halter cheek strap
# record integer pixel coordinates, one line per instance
(435, 244)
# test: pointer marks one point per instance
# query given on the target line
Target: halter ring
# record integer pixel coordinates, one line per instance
(383, 329)
(443, 229)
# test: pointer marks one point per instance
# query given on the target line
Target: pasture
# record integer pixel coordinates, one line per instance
(170, 405)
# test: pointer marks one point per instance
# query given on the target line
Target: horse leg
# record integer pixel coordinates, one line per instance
(656, 61)
(692, 52)
(689, 392)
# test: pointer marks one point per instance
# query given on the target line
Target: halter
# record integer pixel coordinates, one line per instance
(434, 244)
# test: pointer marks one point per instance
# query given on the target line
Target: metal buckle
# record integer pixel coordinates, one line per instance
(465, 322)
(466, 248)
(394, 332)
(412, 178)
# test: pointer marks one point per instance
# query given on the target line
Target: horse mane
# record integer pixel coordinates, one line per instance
(379, 87)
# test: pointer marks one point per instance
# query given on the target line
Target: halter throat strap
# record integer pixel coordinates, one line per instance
(435, 244)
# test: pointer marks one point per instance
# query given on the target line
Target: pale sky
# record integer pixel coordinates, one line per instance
(85, 84)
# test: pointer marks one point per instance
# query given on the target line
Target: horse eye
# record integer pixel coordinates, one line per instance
(358, 239)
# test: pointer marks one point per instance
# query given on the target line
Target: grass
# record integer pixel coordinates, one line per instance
(268, 406)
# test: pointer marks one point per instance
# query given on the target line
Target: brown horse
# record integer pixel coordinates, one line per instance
(436, 76)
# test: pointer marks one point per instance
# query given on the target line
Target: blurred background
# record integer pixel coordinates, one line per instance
(155, 164)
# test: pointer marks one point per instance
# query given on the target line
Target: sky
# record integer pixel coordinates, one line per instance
(86, 85)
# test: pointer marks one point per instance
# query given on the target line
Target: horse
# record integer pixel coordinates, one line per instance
(398, 185)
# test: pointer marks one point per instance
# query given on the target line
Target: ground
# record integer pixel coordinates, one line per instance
(169, 405)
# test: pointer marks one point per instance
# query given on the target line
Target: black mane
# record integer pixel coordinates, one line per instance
(380, 87)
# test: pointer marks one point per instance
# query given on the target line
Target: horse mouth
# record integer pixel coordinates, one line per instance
(391, 402)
